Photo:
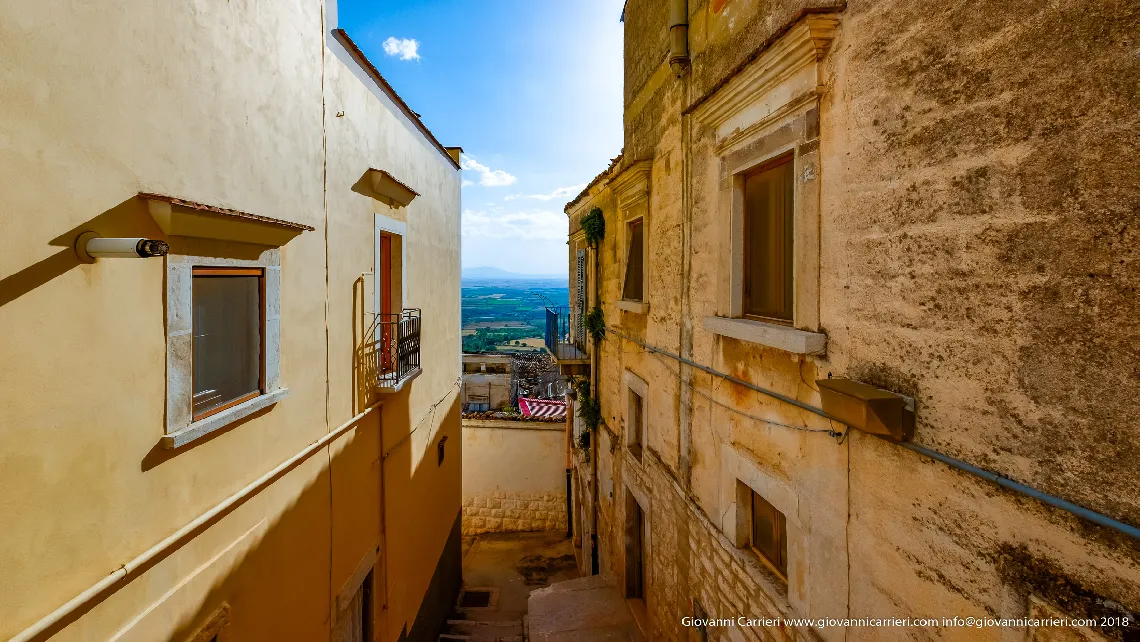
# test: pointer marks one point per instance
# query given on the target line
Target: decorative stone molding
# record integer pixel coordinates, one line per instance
(631, 188)
(786, 77)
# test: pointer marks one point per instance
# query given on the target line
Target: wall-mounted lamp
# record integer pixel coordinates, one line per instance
(870, 409)
(90, 246)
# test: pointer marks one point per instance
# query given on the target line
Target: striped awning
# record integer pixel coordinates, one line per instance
(542, 407)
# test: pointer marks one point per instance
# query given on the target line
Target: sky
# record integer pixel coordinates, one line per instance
(532, 92)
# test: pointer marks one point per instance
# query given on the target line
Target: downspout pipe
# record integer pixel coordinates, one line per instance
(678, 36)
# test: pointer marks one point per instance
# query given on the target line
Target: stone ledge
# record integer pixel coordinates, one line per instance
(213, 423)
(635, 307)
(768, 334)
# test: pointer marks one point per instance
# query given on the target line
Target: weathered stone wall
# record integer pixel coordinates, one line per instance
(977, 251)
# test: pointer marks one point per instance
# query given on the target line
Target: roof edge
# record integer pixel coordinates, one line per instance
(353, 50)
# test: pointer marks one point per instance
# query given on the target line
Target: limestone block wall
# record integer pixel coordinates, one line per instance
(503, 512)
(514, 476)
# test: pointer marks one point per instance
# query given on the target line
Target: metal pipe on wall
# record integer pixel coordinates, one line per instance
(1009, 484)
(90, 246)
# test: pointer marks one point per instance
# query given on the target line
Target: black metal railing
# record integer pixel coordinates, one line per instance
(559, 340)
(393, 352)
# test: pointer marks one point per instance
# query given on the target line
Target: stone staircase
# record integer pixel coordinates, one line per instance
(485, 630)
(485, 622)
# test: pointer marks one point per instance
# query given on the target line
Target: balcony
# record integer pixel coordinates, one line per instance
(566, 341)
(392, 357)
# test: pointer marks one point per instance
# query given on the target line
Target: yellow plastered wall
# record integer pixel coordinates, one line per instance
(231, 105)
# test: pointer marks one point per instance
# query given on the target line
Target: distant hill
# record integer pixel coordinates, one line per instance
(496, 273)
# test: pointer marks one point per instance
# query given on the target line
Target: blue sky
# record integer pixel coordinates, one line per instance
(532, 91)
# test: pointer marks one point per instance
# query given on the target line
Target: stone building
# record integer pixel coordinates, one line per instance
(933, 200)
(257, 435)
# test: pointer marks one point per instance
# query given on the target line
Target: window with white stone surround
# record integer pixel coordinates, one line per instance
(765, 126)
(223, 339)
(223, 314)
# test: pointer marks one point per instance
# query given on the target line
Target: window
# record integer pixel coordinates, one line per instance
(768, 252)
(635, 422)
(636, 419)
(769, 534)
(228, 315)
(635, 264)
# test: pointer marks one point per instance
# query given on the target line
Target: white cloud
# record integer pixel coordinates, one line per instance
(561, 192)
(402, 48)
(531, 225)
(487, 177)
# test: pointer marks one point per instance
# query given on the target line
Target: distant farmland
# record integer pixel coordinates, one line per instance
(498, 312)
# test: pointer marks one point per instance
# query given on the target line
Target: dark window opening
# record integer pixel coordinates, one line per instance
(635, 567)
(636, 420)
(635, 264)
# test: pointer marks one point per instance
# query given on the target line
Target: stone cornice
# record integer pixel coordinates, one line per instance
(798, 50)
(632, 185)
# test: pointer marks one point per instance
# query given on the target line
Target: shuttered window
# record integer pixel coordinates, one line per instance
(580, 300)
(768, 210)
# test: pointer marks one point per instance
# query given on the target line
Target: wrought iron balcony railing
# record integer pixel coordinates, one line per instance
(564, 344)
(393, 354)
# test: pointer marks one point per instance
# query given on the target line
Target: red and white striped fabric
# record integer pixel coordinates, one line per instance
(542, 407)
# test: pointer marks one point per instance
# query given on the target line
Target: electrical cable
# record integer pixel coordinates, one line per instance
(429, 414)
(840, 436)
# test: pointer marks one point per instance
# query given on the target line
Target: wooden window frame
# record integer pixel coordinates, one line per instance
(259, 272)
(788, 157)
(780, 536)
(640, 222)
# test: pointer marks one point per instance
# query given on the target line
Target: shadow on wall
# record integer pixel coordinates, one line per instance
(281, 588)
(128, 218)
(287, 569)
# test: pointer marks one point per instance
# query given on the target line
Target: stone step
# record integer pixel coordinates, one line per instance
(462, 637)
(489, 629)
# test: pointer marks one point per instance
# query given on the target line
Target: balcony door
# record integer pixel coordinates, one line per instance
(384, 305)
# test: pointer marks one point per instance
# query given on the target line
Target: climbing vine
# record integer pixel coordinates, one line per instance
(594, 225)
(596, 324)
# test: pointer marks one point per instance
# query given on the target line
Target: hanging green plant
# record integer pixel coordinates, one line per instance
(581, 386)
(583, 444)
(590, 411)
(596, 324)
(594, 225)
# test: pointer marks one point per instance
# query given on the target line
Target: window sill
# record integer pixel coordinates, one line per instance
(213, 423)
(636, 307)
(768, 334)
